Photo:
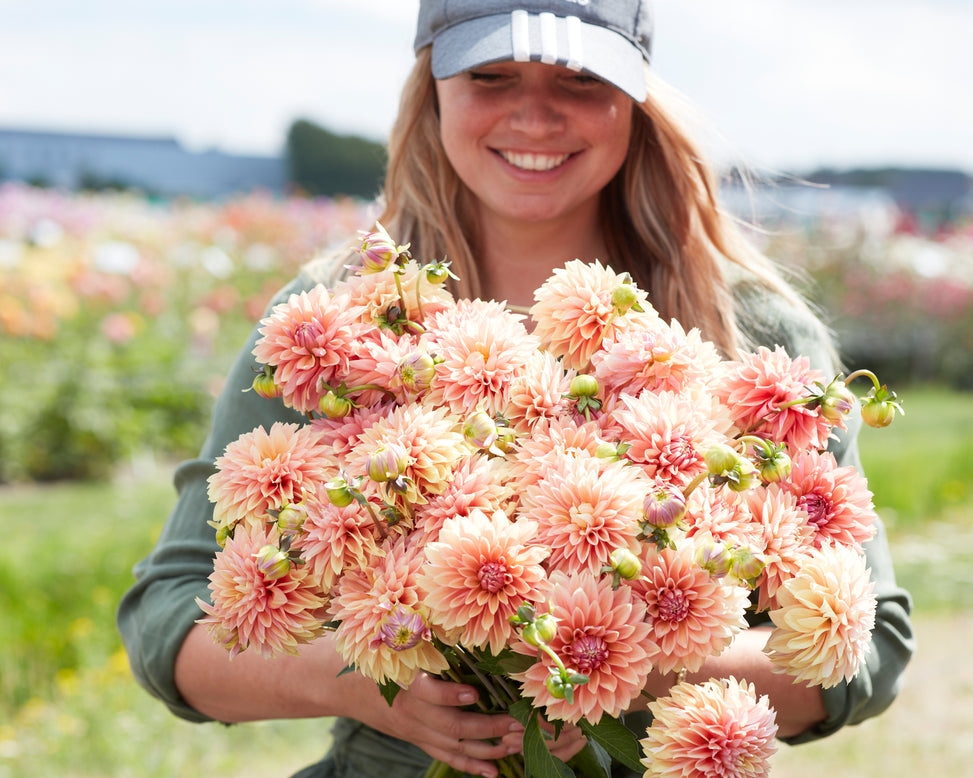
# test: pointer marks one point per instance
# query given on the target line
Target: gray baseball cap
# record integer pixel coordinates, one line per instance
(611, 39)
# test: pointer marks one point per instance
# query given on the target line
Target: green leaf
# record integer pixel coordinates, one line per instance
(389, 690)
(619, 741)
(538, 759)
(521, 710)
(592, 761)
(506, 663)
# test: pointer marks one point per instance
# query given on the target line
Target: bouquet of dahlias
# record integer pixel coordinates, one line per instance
(548, 512)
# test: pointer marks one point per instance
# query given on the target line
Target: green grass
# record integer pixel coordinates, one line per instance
(69, 707)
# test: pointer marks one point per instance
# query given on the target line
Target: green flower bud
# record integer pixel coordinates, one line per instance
(272, 562)
(387, 462)
(530, 636)
(745, 565)
(663, 508)
(557, 687)
(584, 386)
(624, 298)
(626, 564)
(714, 557)
(417, 371)
(837, 402)
(291, 519)
(743, 477)
(546, 627)
(774, 466)
(334, 406)
(721, 459)
(339, 492)
(438, 272)
(263, 384)
(480, 430)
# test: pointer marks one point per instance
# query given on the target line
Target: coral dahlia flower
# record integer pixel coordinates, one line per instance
(373, 294)
(250, 609)
(262, 471)
(691, 615)
(548, 442)
(787, 538)
(601, 634)
(538, 392)
(837, 500)
(476, 484)
(585, 508)
(308, 340)
(824, 618)
(717, 729)
(573, 312)
(757, 388)
(480, 570)
(364, 600)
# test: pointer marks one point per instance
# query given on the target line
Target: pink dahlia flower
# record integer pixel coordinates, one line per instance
(476, 484)
(432, 442)
(538, 392)
(837, 500)
(335, 539)
(482, 568)
(251, 609)
(601, 634)
(573, 312)
(725, 515)
(365, 599)
(308, 340)
(717, 729)
(824, 618)
(340, 436)
(373, 294)
(262, 471)
(481, 356)
(787, 538)
(670, 433)
(691, 615)
(757, 388)
(549, 440)
(585, 508)
(662, 358)
(376, 363)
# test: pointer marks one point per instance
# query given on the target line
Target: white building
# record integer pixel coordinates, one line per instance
(158, 166)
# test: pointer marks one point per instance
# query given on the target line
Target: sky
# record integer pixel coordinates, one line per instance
(783, 85)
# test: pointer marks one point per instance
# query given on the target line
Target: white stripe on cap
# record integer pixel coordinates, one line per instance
(520, 36)
(548, 38)
(575, 46)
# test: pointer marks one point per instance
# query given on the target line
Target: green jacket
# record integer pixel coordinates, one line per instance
(157, 612)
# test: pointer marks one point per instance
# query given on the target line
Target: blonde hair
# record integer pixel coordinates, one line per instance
(660, 215)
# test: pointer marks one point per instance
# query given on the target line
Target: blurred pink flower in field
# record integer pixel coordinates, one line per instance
(574, 314)
(481, 355)
(837, 500)
(824, 618)
(364, 599)
(480, 570)
(669, 433)
(271, 615)
(120, 327)
(691, 615)
(717, 729)
(601, 634)
(309, 340)
(262, 471)
(585, 508)
(757, 388)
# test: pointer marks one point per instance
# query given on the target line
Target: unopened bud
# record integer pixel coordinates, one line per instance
(663, 508)
(291, 519)
(713, 556)
(745, 565)
(480, 430)
(624, 298)
(721, 459)
(334, 406)
(584, 386)
(272, 562)
(438, 272)
(263, 384)
(416, 371)
(743, 477)
(387, 462)
(546, 627)
(377, 251)
(837, 402)
(626, 564)
(339, 492)
(775, 466)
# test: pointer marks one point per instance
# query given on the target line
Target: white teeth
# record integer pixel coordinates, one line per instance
(534, 161)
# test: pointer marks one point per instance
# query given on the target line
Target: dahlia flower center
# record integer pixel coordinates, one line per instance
(816, 507)
(307, 335)
(584, 518)
(680, 454)
(673, 604)
(492, 576)
(589, 652)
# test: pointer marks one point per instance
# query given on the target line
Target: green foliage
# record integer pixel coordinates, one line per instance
(324, 163)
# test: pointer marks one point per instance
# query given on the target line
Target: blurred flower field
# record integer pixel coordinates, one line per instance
(118, 318)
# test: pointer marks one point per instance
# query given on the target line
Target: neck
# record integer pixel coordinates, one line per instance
(515, 259)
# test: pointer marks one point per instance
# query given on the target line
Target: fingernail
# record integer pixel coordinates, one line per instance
(516, 727)
(467, 698)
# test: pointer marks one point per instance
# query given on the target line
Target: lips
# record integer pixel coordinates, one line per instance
(533, 161)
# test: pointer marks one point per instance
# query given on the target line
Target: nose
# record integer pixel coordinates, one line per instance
(536, 110)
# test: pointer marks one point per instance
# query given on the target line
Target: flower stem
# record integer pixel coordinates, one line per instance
(867, 374)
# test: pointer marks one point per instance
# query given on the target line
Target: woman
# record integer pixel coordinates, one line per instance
(524, 139)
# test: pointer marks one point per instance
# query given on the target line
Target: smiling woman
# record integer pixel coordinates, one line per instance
(533, 141)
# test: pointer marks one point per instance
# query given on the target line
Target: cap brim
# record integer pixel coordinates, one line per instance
(603, 52)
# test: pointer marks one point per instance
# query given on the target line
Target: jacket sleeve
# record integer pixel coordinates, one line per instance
(158, 611)
(772, 321)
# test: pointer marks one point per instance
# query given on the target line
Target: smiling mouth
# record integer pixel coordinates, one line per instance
(534, 162)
